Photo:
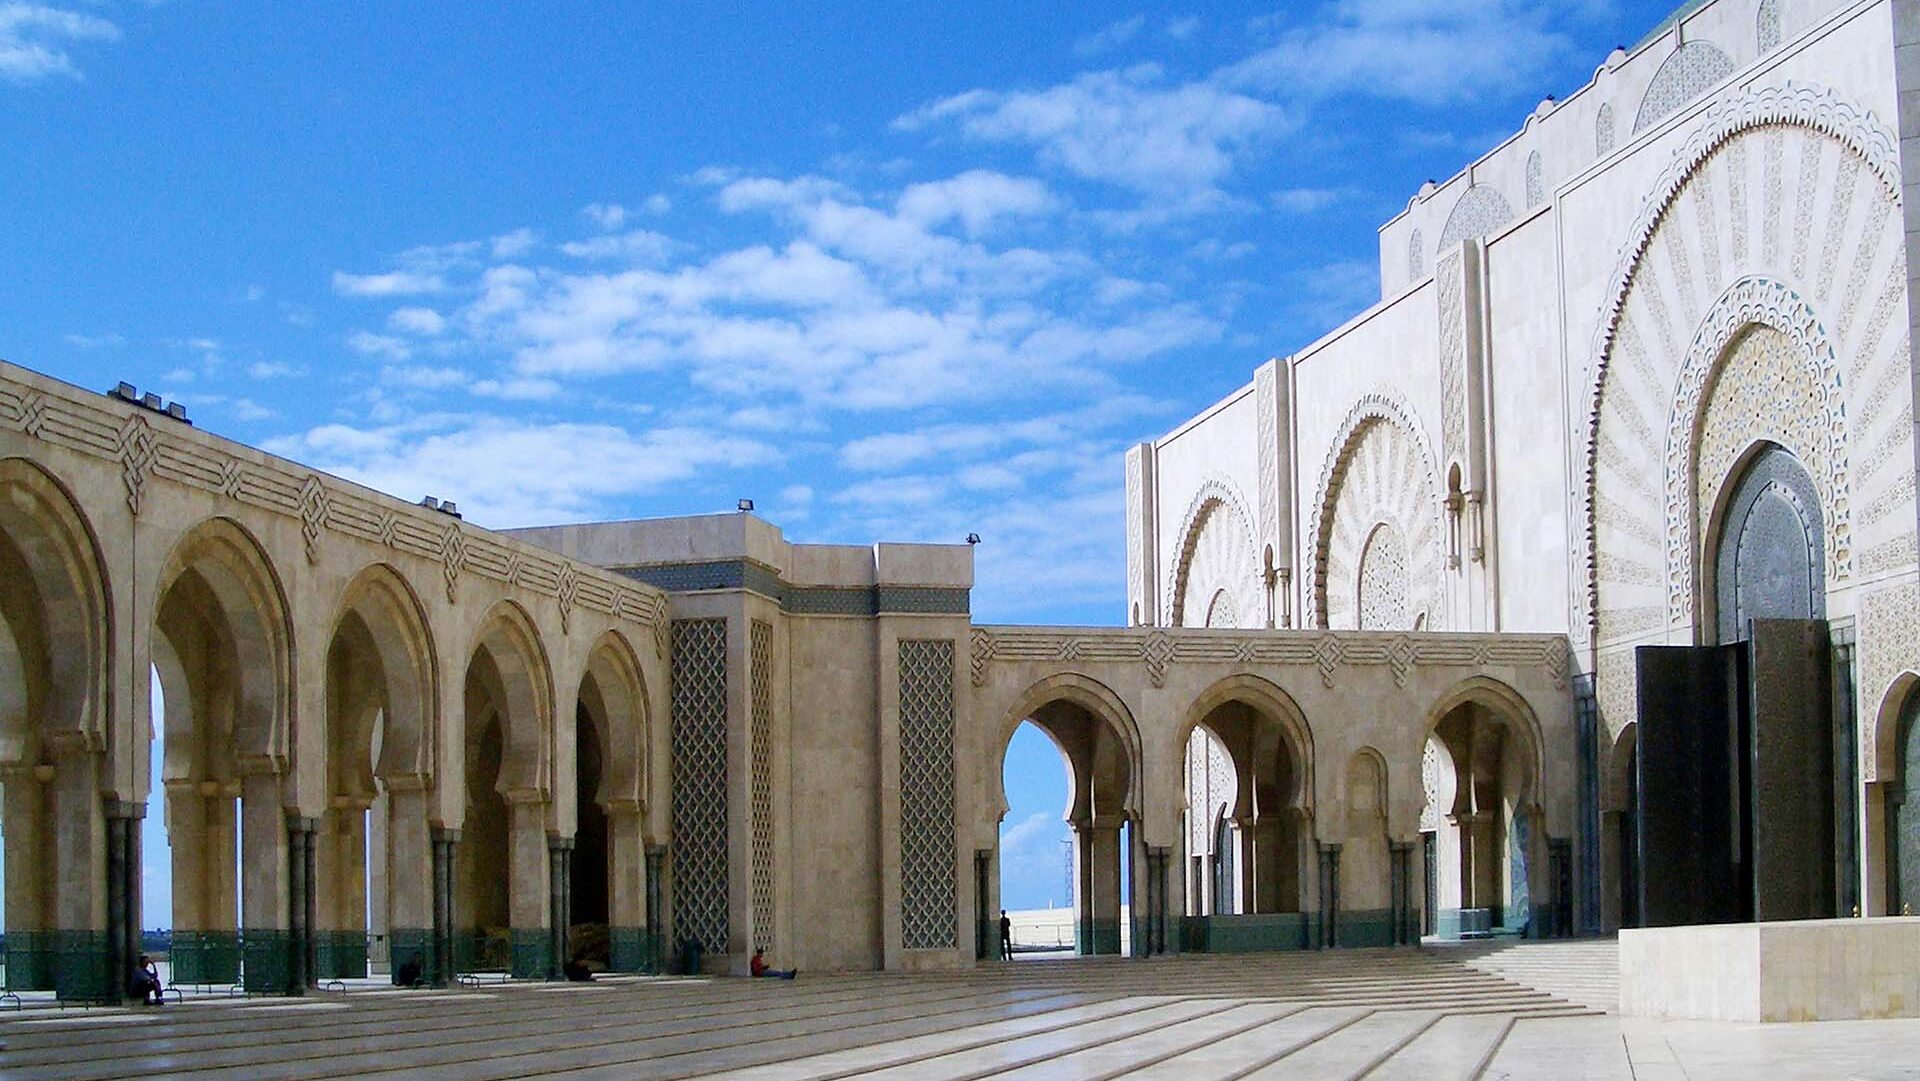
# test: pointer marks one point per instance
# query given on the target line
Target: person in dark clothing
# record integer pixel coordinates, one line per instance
(577, 971)
(146, 983)
(761, 968)
(408, 974)
(1006, 935)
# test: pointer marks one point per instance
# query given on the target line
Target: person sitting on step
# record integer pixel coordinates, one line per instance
(761, 968)
(146, 983)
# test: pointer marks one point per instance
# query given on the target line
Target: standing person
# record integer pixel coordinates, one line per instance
(760, 967)
(1006, 936)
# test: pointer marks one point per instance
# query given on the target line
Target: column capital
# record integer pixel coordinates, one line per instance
(126, 808)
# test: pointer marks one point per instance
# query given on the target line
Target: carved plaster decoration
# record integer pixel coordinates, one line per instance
(1266, 420)
(1480, 210)
(1137, 571)
(1760, 367)
(1451, 278)
(1639, 352)
(1536, 181)
(1889, 637)
(1217, 552)
(138, 451)
(1693, 67)
(1603, 130)
(1416, 257)
(1767, 25)
(1377, 471)
(1329, 652)
(314, 509)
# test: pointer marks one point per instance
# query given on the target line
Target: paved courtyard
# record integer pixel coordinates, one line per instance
(1536, 1010)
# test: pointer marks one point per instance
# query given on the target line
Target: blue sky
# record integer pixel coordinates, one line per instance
(895, 275)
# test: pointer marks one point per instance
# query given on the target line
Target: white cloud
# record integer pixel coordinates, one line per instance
(274, 369)
(607, 216)
(510, 473)
(517, 390)
(638, 246)
(976, 197)
(418, 378)
(34, 39)
(515, 244)
(657, 204)
(93, 341)
(422, 321)
(378, 345)
(1126, 127)
(1305, 200)
(1110, 36)
(1409, 50)
(394, 283)
(1183, 27)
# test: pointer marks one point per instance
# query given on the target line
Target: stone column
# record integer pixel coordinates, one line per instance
(339, 930)
(28, 836)
(656, 891)
(628, 949)
(527, 885)
(409, 874)
(379, 920)
(80, 872)
(123, 892)
(445, 841)
(1096, 859)
(301, 901)
(266, 934)
(559, 900)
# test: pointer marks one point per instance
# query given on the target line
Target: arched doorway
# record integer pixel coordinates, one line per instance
(1099, 750)
(1903, 813)
(1247, 769)
(1484, 818)
(1769, 555)
(609, 923)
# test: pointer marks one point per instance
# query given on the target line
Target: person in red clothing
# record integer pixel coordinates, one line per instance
(761, 968)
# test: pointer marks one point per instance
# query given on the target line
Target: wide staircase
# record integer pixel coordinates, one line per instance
(1454, 1012)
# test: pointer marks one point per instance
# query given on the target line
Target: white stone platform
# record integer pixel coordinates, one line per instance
(1806, 970)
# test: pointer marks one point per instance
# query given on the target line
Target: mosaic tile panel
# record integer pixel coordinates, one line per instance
(700, 781)
(760, 683)
(928, 907)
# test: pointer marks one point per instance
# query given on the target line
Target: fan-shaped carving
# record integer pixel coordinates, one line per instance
(1378, 471)
(1384, 603)
(1217, 554)
(1779, 212)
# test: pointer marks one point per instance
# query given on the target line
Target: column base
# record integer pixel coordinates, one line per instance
(1362, 928)
(1267, 933)
(532, 953)
(412, 943)
(206, 957)
(634, 949)
(1466, 922)
(1098, 937)
(80, 967)
(266, 955)
(31, 961)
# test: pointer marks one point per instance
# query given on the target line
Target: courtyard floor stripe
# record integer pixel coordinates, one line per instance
(1226, 1060)
(1347, 1053)
(1144, 1049)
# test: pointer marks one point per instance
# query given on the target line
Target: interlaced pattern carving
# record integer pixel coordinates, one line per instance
(700, 781)
(928, 907)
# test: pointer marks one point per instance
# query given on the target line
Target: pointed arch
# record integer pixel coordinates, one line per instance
(381, 604)
(220, 576)
(510, 660)
(1095, 699)
(1271, 703)
(1216, 550)
(1686, 74)
(1480, 210)
(54, 612)
(614, 691)
(1513, 709)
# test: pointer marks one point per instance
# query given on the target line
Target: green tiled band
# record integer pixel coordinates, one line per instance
(634, 950)
(1098, 937)
(206, 957)
(1362, 928)
(532, 953)
(31, 961)
(404, 943)
(1245, 934)
(80, 966)
(339, 955)
(266, 955)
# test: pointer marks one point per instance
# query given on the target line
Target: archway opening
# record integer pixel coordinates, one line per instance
(589, 906)
(1768, 556)
(350, 854)
(1087, 911)
(484, 936)
(1902, 803)
(1244, 786)
(1482, 823)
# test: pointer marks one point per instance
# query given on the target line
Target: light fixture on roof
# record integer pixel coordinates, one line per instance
(745, 506)
(973, 538)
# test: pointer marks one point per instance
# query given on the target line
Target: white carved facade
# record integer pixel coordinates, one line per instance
(1581, 341)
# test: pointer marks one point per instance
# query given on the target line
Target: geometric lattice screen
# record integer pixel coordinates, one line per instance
(700, 781)
(928, 915)
(760, 681)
